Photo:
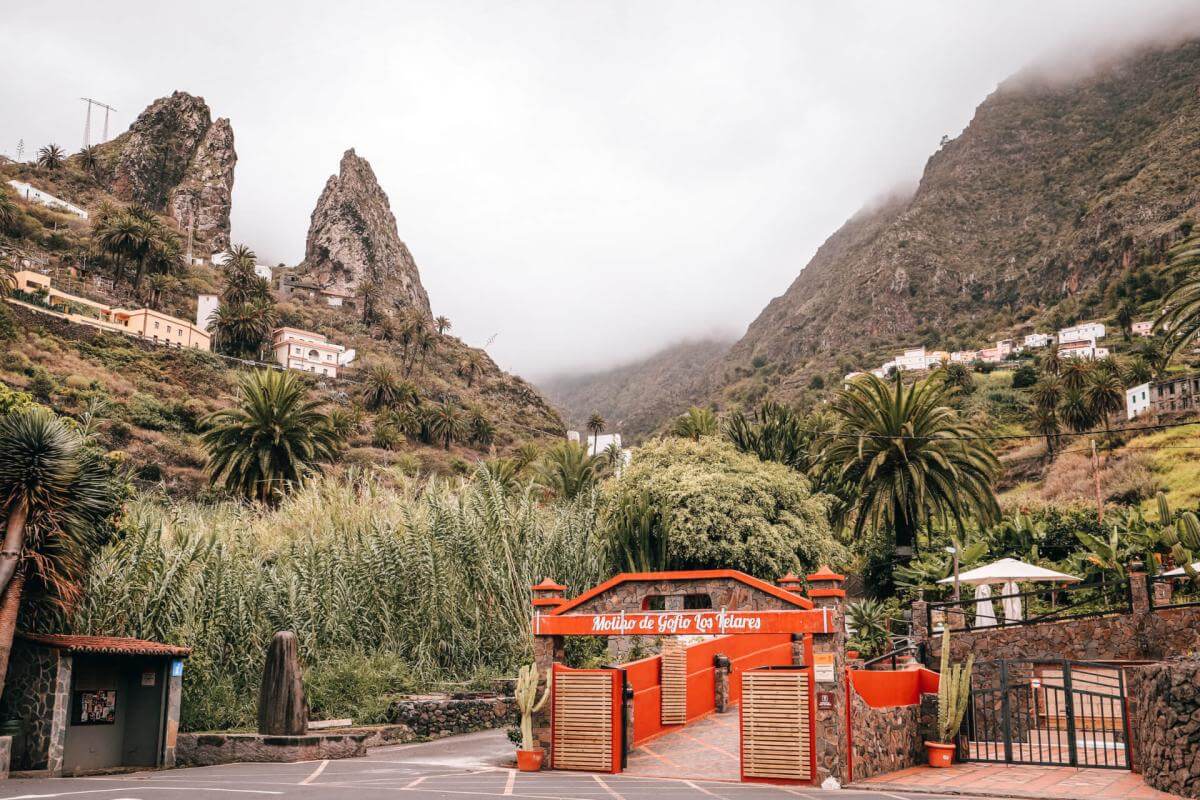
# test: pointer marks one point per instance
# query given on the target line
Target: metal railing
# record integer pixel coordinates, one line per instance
(1172, 592)
(1040, 605)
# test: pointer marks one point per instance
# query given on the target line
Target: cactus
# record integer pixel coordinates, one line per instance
(527, 700)
(954, 691)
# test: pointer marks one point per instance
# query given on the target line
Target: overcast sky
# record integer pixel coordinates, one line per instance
(587, 182)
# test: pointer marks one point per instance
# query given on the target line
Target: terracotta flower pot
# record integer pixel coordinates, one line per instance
(529, 760)
(851, 654)
(940, 753)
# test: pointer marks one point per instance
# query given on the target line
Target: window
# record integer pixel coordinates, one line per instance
(155, 324)
(324, 371)
(314, 355)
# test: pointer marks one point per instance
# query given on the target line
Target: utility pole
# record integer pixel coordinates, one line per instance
(87, 124)
(20, 149)
(1096, 480)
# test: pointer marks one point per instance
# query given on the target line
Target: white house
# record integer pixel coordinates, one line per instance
(911, 359)
(307, 352)
(1137, 400)
(33, 195)
(1143, 328)
(1035, 340)
(206, 307)
(1082, 349)
(963, 356)
(261, 270)
(1082, 333)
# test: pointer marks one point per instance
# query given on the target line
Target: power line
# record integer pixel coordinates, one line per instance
(1007, 437)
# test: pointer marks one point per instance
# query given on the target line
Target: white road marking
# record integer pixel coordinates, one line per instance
(414, 782)
(508, 784)
(125, 789)
(316, 773)
(606, 787)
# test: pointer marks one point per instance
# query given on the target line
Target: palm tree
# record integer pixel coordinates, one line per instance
(1179, 316)
(89, 160)
(55, 496)
(1105, 394)
(1125, 314)
(51, 158)
(1075, 411)
(383, 389)
(695, 423)
(1075, 372)
(958, 375)
(1051, 361)
(159, 284)
(775, 433)
(122, 236)
(271, 440)
(8, 277)
(1045, 423)
(447, 423)
(907, 459)
(614, 456)
(566, 470)
(471, 367)
(527, 453)
(1137, 371)
(595, 426)
(481, 429)
(1047, 392)
(240, 330)
(442, 324)
(1153, 351)
(8, 212)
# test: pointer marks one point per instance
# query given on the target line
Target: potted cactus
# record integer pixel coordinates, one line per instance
(529, 758)
(954, 692)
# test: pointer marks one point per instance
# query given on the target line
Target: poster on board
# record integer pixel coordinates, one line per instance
(95, 707)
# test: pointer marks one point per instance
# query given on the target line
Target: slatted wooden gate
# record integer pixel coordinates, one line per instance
(585, 719)
(776, 743)
(673, 692)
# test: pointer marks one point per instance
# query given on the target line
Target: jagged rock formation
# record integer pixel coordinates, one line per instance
(354, 248)
(176, 160)
(636, 398)
(1056, 195)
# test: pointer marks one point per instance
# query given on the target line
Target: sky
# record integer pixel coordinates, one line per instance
(581, 184)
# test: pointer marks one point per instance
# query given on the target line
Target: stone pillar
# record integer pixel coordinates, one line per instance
(547, 650)
(60, 718)
(1139, 596)
(1163, 591)
(831, 743)
(174, 697)
(721, 668)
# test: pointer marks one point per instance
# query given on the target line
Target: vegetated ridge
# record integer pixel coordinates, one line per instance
(635, 398)
(1056, 201)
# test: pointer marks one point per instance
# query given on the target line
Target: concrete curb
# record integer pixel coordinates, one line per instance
(953, 792)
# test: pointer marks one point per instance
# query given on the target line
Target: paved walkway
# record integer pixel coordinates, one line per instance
(707, 748)
(1000, 780)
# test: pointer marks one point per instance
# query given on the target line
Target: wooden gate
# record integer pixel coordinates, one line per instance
(585, 719)
(776, 733)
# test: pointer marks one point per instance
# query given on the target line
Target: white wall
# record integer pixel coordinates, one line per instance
(1137, 400)
(206, 306)
(33, 195)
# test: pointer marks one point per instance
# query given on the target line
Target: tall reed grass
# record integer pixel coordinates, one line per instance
(386, 590)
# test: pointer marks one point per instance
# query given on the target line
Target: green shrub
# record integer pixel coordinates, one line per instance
(146, 412)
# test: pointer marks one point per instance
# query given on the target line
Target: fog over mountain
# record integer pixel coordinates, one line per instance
(582, 184)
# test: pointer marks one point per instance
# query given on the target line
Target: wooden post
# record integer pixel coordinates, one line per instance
(1096, 480)
(281, 707)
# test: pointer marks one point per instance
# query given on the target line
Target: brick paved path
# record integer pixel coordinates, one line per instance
(1060, 783)
(707, 748)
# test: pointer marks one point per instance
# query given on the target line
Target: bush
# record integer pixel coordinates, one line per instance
(357, 685)
(727, 509)
(146, 412)
(1024, 377)
(42, 385)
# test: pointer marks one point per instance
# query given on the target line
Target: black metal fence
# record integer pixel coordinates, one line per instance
(1048, 713)
(1174, 591)
(1048, 604)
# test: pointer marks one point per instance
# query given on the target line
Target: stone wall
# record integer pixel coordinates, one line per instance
(1145, 636)
(33, 692)
(207, 749)
(1164, 716)
(434, 717)
(724, 593)
(885, 739)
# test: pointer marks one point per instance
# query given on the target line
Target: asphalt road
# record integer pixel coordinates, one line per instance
(461, 768)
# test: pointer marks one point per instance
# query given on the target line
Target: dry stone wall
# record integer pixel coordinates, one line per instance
(436, 717)
(885, 739)
(1164, 715)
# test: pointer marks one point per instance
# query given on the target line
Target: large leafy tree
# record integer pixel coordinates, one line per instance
(907, 459)
(1179, 316)
(56, 496)
(271, 440)
(694, 505)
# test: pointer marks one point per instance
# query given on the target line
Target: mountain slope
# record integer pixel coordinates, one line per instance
(1050, 197)
(634, 399)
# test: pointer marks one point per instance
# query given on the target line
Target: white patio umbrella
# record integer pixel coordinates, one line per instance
(1179, 572)
(1010, 601)
(1010, 569)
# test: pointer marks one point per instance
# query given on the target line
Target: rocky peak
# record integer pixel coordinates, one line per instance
(354, 247)
(176, 160)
